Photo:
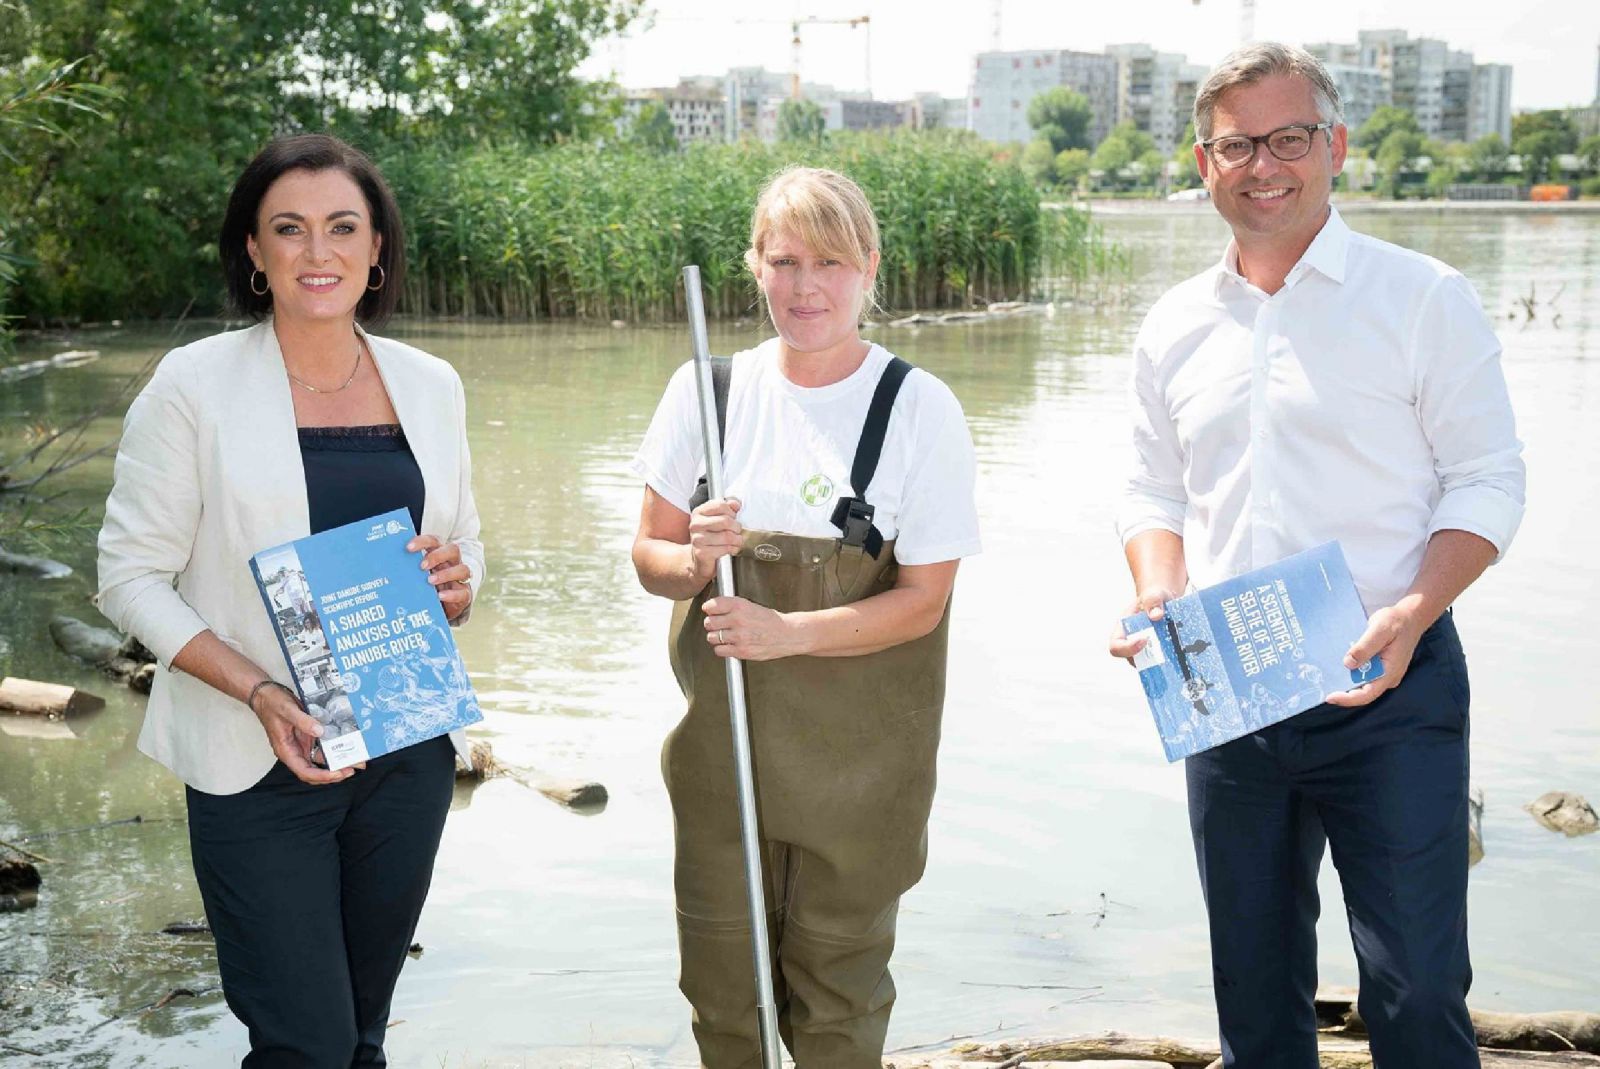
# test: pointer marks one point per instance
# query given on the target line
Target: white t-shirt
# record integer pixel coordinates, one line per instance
(788, 451)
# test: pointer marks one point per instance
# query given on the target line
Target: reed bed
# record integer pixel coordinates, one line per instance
(577, 231)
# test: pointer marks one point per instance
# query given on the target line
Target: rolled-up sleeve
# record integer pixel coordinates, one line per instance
(464, 532)
(1154, 498)
(1465, 410)
(151, 519)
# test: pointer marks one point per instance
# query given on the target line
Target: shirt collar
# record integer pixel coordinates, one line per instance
(1326, 255)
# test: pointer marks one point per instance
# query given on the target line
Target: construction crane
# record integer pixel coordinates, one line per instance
(864, 21)
(1247, 20)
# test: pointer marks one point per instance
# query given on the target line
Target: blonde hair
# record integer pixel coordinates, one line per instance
(822, 208)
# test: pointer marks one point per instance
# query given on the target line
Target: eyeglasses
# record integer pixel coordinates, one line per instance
(1288, 143)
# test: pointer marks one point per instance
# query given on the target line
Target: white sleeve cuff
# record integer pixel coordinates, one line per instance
(1141, 512)
(1481, 510)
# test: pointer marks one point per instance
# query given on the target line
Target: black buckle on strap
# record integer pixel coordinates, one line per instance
(853, 517)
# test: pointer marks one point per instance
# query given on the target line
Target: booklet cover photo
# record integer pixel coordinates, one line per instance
(1251, 651)
(365, 638)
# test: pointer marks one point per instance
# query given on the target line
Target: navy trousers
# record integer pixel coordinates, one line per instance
(313, 895)
(1385, 788)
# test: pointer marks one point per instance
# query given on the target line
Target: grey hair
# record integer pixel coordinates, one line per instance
(1251, 63)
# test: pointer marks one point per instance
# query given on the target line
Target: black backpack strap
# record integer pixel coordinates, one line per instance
(852, 515)
(721, 379)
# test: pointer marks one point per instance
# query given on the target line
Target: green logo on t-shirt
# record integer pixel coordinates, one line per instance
(816, 490)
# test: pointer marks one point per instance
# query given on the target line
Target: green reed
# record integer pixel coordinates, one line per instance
(579, 231)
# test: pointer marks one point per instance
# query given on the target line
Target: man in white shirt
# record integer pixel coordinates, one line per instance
(1319, 384)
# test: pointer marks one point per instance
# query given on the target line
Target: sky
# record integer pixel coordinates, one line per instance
(928, 45)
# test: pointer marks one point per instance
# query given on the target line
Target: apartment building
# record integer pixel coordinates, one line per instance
(1004, 83)
(1156, 91)
(1490, 108)
(695, 108)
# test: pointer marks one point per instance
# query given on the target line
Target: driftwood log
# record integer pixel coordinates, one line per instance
(1177, 1053)
(124, 659)
(573, 793)
(70, 358)
(1126, 1052)
(1561, 1031)
(36, 567)
(54, 701)
(995, 310)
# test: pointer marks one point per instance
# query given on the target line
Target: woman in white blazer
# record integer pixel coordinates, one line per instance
(312, 880)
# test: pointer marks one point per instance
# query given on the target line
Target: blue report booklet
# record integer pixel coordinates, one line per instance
(366, 638)
(1251, 651)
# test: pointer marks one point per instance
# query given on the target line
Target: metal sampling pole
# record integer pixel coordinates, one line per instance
(755, 887)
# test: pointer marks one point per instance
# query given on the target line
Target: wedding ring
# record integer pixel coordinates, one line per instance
(722, 637)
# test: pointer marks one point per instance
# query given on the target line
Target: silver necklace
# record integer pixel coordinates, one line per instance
(318, 389)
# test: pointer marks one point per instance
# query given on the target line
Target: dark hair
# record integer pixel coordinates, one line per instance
(310, 152)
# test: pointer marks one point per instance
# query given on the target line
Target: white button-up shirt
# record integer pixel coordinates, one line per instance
(1363, 402)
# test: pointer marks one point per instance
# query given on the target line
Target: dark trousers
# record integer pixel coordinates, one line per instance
(313, 894)
(1385, 787)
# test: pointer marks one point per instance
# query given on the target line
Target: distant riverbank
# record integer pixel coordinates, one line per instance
(1355, 204)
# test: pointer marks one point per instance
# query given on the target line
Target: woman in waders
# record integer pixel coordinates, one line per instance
(849, 504)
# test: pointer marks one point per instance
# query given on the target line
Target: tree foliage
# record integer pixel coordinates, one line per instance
(1123, 147)
(1072, 167)
(801, 121)
(32, 101)
(1563, 135)
(1395, 154)
(1486, 157)
(1061, 116)
(1539, 137)
(1387, 120)
(121, 220)
(1589, 153)
(652, 129)
(1538, 151)
(1188, 170)
(1448, 162)
(1038, 162)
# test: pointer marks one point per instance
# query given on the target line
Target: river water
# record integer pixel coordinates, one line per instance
(1060, 895)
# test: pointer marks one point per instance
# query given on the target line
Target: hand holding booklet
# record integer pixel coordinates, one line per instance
(365, 638)
(1251, 651)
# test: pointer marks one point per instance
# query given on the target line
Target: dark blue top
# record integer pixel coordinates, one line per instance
(355, 473)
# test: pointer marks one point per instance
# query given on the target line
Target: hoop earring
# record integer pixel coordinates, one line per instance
(260, 292)
(382, 277)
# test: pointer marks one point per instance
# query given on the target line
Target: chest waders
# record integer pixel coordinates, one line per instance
(844, 754)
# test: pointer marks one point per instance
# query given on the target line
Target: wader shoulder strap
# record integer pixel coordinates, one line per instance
(721, 377)
(852, 515)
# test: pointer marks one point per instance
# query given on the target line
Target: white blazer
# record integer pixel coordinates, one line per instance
(208, 473)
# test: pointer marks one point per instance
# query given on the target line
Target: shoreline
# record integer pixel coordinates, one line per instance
(1128, 1052)
(1350, 205)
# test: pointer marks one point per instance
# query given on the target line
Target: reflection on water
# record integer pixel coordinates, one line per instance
(1060, 893)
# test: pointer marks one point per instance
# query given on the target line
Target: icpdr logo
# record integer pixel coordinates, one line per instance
(817, 490)
(381, 530)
